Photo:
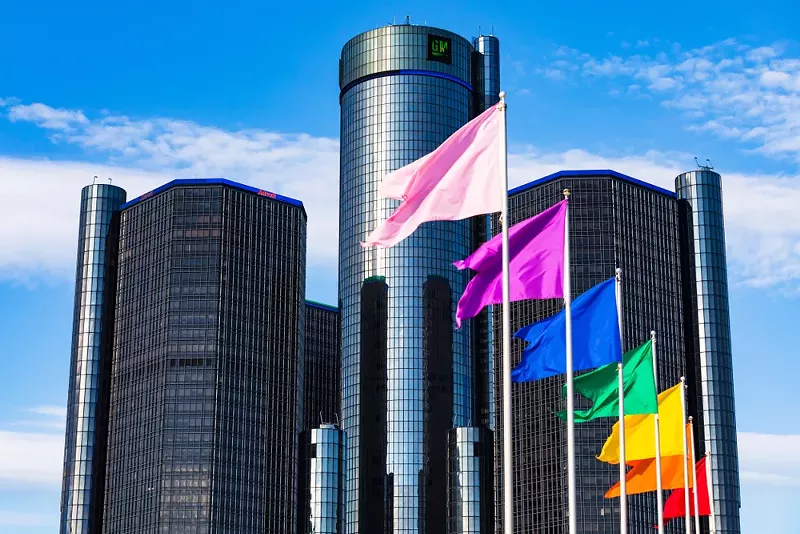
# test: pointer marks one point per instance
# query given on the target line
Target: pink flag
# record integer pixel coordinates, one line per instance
(460, 179)
(535, 266)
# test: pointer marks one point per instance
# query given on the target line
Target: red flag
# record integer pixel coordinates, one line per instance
(674, 507)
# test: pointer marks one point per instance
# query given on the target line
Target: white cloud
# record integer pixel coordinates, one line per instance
(748, 94)
(141, 155)
(31, 458)
(48, 117)
(18, 519)
(762, 222)
(769, 459)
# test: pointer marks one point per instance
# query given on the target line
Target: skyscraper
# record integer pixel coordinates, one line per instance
(320, 496)
(83, 482)
(207, 374)
(615, 221)
(700, 192)
(408, 376)
(323, 364)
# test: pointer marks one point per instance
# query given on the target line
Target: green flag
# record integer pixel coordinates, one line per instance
(601, 386)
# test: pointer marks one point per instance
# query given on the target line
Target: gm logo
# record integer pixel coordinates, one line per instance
(440, 49)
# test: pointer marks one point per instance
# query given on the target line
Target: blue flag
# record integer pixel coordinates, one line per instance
(595, 337)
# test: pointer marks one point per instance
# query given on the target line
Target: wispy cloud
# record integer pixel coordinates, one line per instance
(141, 154)
(19, 519)
(762, 221)
(736, 91)
(48, 117)
(49, 410)
(31, 458)
(769, 459)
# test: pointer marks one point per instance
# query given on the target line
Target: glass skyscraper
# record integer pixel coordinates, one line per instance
(92, 335)
(615, 221)
(701, 193)
(320, 497)
(408, 376)
(323, 364)
(207, 373)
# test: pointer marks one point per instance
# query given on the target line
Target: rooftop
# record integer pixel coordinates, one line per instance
(320, 305)
(601, 172)
(212, 181)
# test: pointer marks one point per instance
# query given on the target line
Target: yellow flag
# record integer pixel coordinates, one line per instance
(640, 441)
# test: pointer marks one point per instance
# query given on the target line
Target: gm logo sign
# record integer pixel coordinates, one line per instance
(440, 49)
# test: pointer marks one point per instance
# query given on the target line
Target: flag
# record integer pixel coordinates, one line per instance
(601, 386)
(642, 476)
(462, 178)
(595, 337)
(536, 264)
(676, 505)
(640, 441)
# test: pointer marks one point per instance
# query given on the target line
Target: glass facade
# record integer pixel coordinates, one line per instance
(207, 381)
(615, 221)
(407, 375)
(322, 463)
(92, 334)
(323, 365)
(470, 480)
(701, 191)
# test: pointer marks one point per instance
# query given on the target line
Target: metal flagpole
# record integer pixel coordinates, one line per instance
(712, 520)
(685, 458)
(659, 483)
(508, 495)
(696, 502)
(573, 520)
(623, 470)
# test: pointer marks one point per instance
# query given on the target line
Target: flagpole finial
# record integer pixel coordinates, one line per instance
(566, 194)
(652, 334)
(618, 273)
(691, 418)
(502, 95)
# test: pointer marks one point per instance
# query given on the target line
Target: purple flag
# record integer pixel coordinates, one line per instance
(536, 264)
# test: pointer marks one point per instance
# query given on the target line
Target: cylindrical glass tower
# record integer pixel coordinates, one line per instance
(92, 337)
(702, 191)
(470, 486)
(324, 455)
(407, 374)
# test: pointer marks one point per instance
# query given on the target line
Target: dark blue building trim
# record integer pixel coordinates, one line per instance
(604, 172)
(418, 72)
(212, 181)
(321, 306)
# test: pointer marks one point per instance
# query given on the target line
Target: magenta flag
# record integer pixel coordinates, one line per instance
(460, 179)
(536, 264)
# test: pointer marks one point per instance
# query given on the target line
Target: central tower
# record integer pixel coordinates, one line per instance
(408, 376)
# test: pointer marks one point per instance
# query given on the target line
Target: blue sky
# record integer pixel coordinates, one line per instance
(143, 93)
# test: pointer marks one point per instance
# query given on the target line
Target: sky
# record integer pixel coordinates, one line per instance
(142, 92)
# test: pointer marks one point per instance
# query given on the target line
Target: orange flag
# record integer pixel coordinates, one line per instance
(642, 476)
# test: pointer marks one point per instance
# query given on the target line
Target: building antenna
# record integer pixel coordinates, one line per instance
(394, 19)
(704, 167)
(109, 180)
(408, 18)
(94, 179)
(492, 31)
(336, 417)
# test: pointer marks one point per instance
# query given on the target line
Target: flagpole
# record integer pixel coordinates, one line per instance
(685, 458)
(623, 471)
(696, 503)
(573, 520)
(508, 495)
(659, 483)
(712, 521)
